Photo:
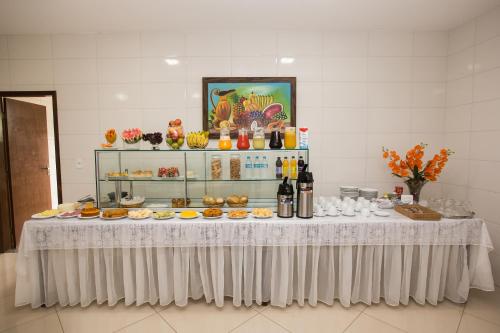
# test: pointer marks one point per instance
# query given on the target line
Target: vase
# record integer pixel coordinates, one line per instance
(415, 187)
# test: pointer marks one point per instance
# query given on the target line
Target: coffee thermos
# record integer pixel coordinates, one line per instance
(305, 194)
(285, 199)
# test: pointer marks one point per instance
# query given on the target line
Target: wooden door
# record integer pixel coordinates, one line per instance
(28, 155)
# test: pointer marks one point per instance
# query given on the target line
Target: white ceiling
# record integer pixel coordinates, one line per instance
(70, 16)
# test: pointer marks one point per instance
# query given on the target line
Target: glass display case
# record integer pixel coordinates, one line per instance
(172, 178)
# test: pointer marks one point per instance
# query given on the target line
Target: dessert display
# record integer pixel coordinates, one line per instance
(197, 140)
(212, 202)
(237, 201)
(212, 212)
(140, 214)
(188, 214)
(114, 213)
(175, 134)
(237, 214)
(89, 211)
(163, 215)
(46, 214)
(116, 174)
(135, 202)
(132, 135)
(262, 213)
(141, 174)
(216, 167)
(168, 172)
(153, 138)
(180, 202)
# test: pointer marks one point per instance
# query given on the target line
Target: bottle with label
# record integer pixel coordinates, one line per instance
(248, 168)
(285, 167)
(265, 167)
(300, 164)
(256, 168)
(293, 168)
(279, 168)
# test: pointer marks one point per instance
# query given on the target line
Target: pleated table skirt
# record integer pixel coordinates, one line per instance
(279, 275)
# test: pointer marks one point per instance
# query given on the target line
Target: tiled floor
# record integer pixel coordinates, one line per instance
(480, 315)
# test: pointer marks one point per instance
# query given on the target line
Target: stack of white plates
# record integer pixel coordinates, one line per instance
(368, 193)
(349, 192)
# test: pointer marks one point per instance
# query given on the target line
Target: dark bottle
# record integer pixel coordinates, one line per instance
(275, 142)
(300, 164)
(279, 168)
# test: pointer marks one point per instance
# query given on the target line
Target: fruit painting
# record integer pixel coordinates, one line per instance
(248, 102)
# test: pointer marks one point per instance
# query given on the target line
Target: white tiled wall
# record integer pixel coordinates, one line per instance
(473, 120)
(357, 91)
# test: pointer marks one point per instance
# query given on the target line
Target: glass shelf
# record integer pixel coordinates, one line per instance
(197, 204)
(193, 180)
(198, 150)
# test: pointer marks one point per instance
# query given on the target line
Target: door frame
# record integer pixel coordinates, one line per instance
(7, 237)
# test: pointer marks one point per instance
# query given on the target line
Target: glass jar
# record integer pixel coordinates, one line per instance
(243, 142)
(235, 167)
(225, 139)
(275, 142)
(290, 138)
(216, 167)
(259, 139)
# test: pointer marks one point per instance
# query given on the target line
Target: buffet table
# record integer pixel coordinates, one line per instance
(352, 259)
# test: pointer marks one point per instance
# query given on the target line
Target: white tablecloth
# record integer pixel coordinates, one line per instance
(278, 260)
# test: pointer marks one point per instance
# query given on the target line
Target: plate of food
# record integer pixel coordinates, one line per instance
(140, 214)
(46, 214)
(262, 213)
(163, 214)
(69, 214)
(89, 212)
(114, 214)
(237, 214)
(212, 213)
(189, 214)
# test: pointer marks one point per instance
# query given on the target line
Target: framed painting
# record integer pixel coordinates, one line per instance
(248, 102)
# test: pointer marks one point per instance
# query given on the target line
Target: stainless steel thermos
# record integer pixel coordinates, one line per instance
(285, 199)
(305, 194)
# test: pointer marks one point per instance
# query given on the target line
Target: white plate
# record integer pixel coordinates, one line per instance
(315, 214)
(139, 218)
(212, 217)
(164, 218)
(113, 218)
(237, 218)
(333, 215)
(189, 218)
(87, 217)
(262, 217)
(381, 213)
(60, 216)
(42, 217)
(350, 215)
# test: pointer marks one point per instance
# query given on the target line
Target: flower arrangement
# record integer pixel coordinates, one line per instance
(132, 135)
(412, 167)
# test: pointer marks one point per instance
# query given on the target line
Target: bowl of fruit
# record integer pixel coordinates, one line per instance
(197, 140)
(154, 139)
(175, 134)
(131, 138)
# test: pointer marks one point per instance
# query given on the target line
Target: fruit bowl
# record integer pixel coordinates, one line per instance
(197, 140)
(175, 134)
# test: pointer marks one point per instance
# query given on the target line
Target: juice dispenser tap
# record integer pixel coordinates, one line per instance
(305, 194)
